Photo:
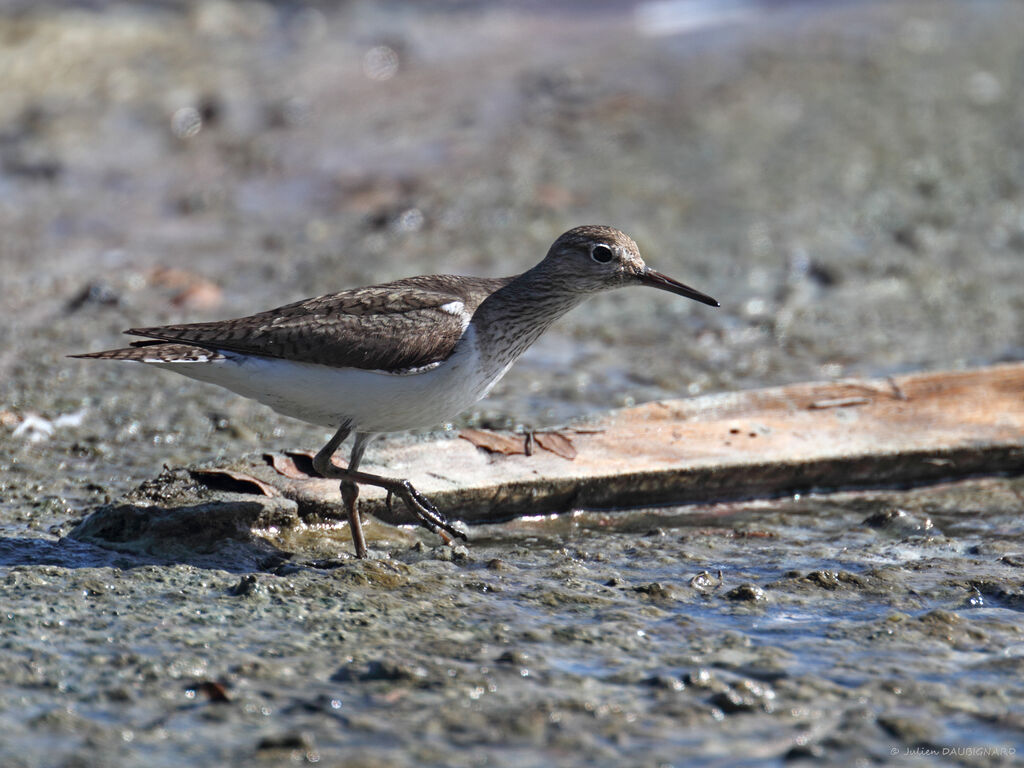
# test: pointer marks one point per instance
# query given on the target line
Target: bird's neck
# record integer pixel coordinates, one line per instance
(509, 320)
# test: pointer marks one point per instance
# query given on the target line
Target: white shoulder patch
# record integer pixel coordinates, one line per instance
(458, 309)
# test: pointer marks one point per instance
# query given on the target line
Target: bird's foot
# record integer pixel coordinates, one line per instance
(429, 516)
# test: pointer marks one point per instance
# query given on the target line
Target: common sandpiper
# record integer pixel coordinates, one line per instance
(404, 355)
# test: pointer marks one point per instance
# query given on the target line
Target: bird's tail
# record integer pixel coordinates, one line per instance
(152, 351)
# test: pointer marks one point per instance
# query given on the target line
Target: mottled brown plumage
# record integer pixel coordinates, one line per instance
(395, 326)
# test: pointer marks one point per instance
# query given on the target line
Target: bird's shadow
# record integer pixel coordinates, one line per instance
(64, 553)
(70, 553)
(214, 534)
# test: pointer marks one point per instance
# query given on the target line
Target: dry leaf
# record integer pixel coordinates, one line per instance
(297, 465)
(229, 480)
(556, 443)
(495, 442)
(285, 465)
(513, 445)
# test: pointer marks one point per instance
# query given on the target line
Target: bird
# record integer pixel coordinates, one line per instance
(403, 355)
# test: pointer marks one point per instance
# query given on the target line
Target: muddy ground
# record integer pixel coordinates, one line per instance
(846, 178)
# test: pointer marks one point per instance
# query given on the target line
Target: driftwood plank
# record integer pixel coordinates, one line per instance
(904, 430)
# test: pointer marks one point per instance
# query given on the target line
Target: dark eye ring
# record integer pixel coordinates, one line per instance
(602, 254)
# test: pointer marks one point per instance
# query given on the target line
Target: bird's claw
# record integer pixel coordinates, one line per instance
(429, 516)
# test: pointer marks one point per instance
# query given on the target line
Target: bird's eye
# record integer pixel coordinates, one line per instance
(602, 254)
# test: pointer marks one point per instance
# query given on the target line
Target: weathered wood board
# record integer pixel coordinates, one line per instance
(904, 430)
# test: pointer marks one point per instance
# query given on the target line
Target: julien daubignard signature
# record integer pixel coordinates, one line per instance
(963, 751)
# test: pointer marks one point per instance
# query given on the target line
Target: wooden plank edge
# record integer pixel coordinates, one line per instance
(685, 486)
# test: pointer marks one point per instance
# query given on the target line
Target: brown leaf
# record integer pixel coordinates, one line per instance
(297, 465)
(495, 442)
(557, 443)
(229, 480)
(285, 465)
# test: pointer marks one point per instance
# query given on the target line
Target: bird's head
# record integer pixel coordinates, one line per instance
(594, 258)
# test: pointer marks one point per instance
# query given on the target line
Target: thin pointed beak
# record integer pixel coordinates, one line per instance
(655, 279)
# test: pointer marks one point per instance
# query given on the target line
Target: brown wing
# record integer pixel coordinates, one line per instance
(406, 324)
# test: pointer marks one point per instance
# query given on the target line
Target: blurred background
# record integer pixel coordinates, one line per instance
(845, 177)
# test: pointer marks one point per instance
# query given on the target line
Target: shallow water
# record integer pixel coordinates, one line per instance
(845, 178)
(767, 631)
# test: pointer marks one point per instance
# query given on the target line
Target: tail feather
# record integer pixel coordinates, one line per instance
(156, 352)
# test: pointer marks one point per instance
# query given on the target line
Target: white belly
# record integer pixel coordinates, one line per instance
(372, 401)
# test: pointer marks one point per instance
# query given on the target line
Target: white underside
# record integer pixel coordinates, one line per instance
(371, 401)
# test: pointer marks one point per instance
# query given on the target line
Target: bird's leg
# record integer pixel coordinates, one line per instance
(322, 461)
(349, 494)
(426, 513)
(349, 490)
